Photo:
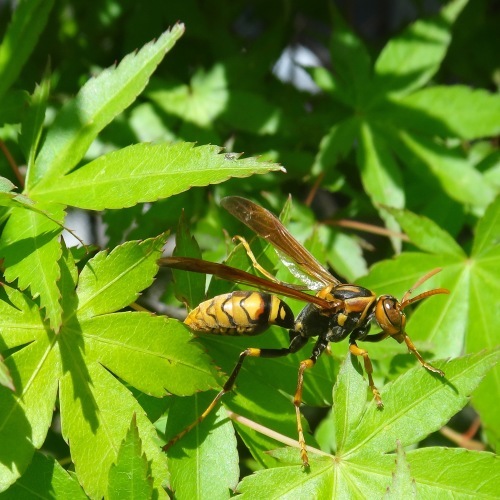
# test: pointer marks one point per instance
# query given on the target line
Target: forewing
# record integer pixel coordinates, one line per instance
(238, 276)
(269, 227)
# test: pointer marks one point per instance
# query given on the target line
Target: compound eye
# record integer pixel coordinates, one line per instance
(389, 315)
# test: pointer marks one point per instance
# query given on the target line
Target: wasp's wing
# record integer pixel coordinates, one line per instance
(269, 227)
(239, 276)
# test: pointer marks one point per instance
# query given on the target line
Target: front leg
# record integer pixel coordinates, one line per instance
(319, 347)
(357, 351)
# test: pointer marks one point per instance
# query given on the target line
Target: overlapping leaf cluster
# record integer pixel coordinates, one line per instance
(59, 326)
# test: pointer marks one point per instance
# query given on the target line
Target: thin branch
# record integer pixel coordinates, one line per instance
(273, 434)
(369, 228)
(464, 440)
(12, 163)
(312, 193)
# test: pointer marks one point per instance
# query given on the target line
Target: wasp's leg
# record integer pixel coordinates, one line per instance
(320, 346)
(377, 337)
(357, 351)
(255, 264)
(413, 350)
(296, 343)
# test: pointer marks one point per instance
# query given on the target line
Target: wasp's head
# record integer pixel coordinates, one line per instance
(390, 316)
(389, 310)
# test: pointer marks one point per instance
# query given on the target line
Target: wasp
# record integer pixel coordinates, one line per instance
(336, 311)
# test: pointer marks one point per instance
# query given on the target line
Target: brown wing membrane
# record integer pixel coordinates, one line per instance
(268, 226)
(239, 276)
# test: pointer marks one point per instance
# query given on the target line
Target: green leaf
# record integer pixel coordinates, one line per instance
(349, 401)
(10, 199)
(127, 342)
(426, 234)
(291, 482)
(408, 399)
(189, 287)
(45, 478)
(483, 320)
(27, 414)
(473, 475)
(454, 172)
(99, 101)
(32, 125)
(130, 476)
(410, 60)
(111, 282)
(362, 468)
(402, 485)
(200, 102)
(194, 473)
(19, 318)
(351, 62)
(379, 172)
(147, 172)
(380, 175)
(96, 410)
(487, 238)
(335, 145)
(21, 37)
(465, 112)
(31, 249)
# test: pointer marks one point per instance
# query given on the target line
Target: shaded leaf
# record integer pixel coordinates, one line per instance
(380, 175)
(28, 21)
(350, 60)
(189, 287)
(45, 478)
(31, 249)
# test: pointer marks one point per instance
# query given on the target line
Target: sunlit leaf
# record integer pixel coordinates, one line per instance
(130, 476)
(147, 172)
(79, 122)
(411, 59)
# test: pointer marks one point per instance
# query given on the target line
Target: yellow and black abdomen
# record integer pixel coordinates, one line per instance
(240, 313)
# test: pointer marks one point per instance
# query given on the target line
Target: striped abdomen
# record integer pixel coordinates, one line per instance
(240, 313)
